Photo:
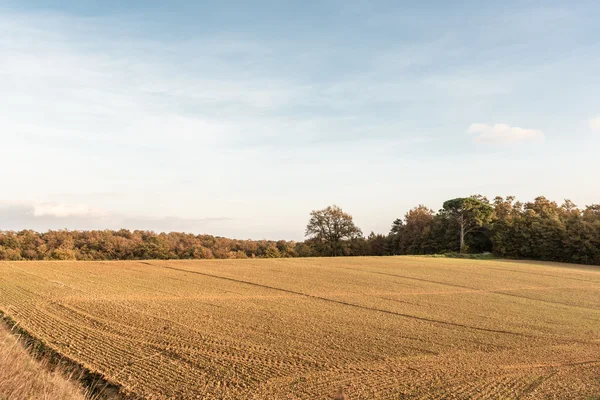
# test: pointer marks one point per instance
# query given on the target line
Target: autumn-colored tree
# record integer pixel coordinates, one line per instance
(332, 228)
(541, 229)
(128, 245)
(417, 230)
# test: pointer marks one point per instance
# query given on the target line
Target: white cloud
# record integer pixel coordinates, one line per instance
(99, 105)
(504, 134)
(119, 95)
(66, 210)
(43, 217)
(595, 123)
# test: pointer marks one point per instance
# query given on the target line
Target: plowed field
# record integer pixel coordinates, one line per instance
(382, 328)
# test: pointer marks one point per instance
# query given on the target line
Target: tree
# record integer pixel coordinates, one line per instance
(417, 230)
(378, 245)
(272, 252)
(332, 228)
(395, 236)
(470, 213)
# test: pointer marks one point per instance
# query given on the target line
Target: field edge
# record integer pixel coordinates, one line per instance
(95, 385)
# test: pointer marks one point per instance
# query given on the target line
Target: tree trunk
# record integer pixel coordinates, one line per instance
(462, 237)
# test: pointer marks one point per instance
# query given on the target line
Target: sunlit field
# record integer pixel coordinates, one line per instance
(381, 328)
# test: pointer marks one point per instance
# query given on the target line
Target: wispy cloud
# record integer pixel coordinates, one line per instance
(211, 91)
(66, 210)
(504, 134)
(44, 216)
(258, 120)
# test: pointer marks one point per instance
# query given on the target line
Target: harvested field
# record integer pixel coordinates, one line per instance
(382, 328)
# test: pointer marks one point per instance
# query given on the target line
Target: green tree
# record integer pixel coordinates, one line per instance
(378, 245)
(416, 233)
(304, 249)
(395, 236)
(470, 213)
(272, 252)
(332, 228)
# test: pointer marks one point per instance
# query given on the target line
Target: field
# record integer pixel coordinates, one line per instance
(382, 328)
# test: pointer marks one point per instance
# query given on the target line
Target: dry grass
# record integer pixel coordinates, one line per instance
(21, 377)
(380, 328)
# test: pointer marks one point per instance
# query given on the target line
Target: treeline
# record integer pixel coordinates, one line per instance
(134, 245)
(539, 230)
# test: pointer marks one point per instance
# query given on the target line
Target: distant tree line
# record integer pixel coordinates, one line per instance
(134, 245)
(504, 227)
(539, 230)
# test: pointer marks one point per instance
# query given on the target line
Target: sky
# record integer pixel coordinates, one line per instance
(238, 118)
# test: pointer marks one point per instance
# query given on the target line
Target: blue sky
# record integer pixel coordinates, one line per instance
(238, 119)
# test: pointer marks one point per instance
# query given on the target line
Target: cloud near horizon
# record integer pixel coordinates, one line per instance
(53, 216)
(504, 134)
(212, 110)
(66, 210)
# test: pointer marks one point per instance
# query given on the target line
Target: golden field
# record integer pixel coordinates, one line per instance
(382, 328)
